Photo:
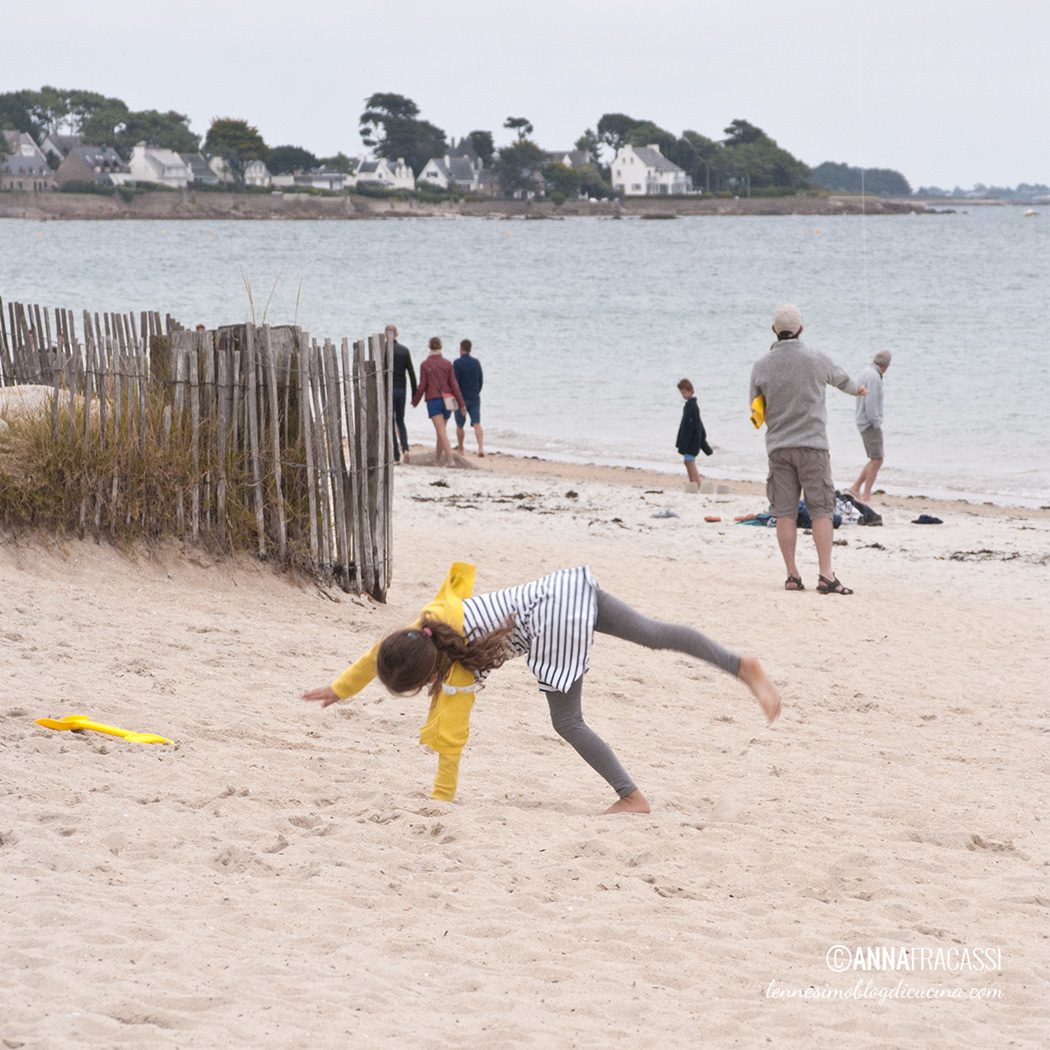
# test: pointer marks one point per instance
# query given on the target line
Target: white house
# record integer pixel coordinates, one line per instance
(569, 158)
(643, 171)
(436, 172)
(325, 179)
(452, 170)
(256, 173)
(221, 169)
(165, 166)
(318, 179)
(383, 174)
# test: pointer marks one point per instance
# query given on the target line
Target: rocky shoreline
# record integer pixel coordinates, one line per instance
(43, 207)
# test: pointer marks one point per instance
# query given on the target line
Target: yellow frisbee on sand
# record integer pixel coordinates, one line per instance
(82, 722)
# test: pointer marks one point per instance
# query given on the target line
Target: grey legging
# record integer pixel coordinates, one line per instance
(621, 621)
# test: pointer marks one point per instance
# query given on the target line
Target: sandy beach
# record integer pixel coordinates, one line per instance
(276, 878)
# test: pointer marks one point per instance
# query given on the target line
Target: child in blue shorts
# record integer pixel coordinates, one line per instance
(691, 434)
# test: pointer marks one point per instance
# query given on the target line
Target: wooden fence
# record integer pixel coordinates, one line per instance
(241, 436)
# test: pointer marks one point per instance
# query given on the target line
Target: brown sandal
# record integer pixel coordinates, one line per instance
(797, 581)
(826, 586)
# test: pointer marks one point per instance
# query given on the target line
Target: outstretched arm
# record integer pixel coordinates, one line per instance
(326, 695)
(839, 377)
(351, 681)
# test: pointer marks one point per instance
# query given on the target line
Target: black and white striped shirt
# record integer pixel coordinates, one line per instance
(553, 623)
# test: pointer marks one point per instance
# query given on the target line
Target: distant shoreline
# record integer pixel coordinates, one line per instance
(191, 205)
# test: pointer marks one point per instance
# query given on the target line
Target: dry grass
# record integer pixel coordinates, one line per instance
(124, 475)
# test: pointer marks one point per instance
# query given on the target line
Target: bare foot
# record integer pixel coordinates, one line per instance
(635, 802)
(756, 679)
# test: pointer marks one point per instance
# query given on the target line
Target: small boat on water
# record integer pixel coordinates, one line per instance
(1031, 213)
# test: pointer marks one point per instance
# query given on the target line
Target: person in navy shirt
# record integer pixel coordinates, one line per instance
(470, 378)
(692, 437)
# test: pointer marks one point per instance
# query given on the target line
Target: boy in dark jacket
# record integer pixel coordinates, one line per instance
(691, 434)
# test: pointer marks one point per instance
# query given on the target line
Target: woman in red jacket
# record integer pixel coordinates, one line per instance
(437, 384)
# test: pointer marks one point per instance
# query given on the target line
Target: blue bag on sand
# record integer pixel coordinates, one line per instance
(806, 522)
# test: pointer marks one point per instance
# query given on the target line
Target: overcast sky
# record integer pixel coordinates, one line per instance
(946, 94)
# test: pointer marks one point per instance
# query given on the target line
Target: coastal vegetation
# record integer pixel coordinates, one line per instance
(248, 438)
(745, 160)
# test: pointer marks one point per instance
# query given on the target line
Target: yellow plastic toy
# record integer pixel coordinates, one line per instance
(758, 411)
(83, 722)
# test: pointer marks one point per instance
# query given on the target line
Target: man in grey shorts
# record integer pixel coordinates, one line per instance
(869, 423)
(791, 378)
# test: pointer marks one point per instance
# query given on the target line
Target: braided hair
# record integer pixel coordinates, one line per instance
(412, 658)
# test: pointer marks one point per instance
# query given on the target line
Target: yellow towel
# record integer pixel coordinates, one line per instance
(758, 411)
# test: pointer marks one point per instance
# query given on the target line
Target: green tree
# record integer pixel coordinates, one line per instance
(518, 166)
(593, 183)
(614, 129)
(483, 145)
(743, 133)
(561, 179)
(49, 107)
(237, 142)
(100, 123)
(18, 112)
(284, 160)
(750, 159)
(521, 125)
(385, 105)
(99, 113)
(165, 130)
(842, 178)
(340, 162)
(705, 169)
(646, 133)
(590, 142)
(390, 125)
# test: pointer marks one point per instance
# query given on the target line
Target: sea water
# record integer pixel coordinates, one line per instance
(584, 326)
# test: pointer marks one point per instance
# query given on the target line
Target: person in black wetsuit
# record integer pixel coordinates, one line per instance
(404, 374)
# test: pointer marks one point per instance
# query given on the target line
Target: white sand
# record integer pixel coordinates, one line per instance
(22, 400)
(275, 880)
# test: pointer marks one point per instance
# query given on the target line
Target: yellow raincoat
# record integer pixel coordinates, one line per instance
(448, 720)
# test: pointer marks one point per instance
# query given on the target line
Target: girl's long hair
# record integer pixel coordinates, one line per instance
(412, 658)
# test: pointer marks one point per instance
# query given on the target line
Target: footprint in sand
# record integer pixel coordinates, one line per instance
(234, 861)
(976, 842)
(729, 807)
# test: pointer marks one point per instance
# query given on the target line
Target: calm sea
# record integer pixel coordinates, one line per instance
(585, 325)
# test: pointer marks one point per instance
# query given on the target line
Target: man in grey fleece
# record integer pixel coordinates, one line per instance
(791, 378)
(869, 423)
